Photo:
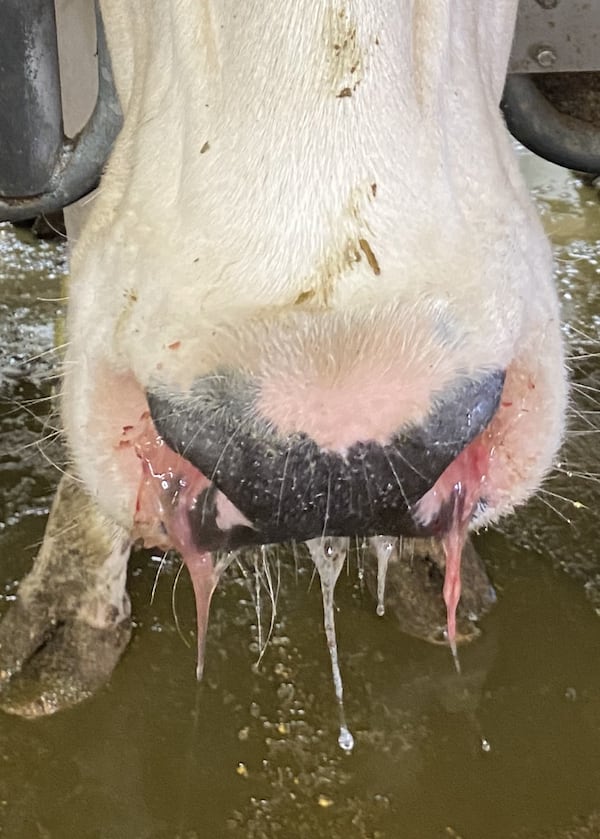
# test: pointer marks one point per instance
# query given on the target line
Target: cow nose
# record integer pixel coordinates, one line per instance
(288, 487)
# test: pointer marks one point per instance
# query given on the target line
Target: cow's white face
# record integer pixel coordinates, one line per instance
(312, 247)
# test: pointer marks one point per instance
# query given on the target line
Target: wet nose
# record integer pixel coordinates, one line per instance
(288, 487)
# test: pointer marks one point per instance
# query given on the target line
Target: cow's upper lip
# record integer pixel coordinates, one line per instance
(261, 488)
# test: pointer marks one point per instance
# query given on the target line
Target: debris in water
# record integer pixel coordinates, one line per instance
(329, 555)
(242, 770)
(324, 801)
(571, 694)
(485, 745)
(384, 547)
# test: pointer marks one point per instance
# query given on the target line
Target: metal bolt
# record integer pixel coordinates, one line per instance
(548, 4)
(545, 56)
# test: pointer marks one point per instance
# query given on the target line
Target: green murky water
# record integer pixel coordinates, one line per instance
(511, 749)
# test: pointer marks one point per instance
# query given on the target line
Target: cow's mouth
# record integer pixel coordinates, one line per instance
(286, 487)
(205, 497)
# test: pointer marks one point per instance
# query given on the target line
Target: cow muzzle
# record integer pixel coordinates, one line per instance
(286, 487)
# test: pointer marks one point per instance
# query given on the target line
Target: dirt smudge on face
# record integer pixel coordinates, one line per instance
(371, 258)
(344, 53)
(343, 255)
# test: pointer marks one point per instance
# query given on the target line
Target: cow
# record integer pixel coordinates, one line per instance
(311, 300)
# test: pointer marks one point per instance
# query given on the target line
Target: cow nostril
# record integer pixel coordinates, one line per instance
(289, 487)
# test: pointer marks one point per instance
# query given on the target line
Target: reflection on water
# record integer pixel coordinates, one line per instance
(508, 749)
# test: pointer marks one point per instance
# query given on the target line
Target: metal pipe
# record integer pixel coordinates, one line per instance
(31, 129)
(78, 163)
(533, 120)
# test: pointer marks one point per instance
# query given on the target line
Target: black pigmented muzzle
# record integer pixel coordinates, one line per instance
(288, 487)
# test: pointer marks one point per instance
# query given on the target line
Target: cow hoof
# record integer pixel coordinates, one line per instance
(413, 590)
(47, 663)
(62, 638)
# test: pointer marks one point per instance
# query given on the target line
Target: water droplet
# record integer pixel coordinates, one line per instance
(345, 739)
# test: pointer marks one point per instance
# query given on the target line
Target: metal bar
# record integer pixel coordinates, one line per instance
(79, 162)
(556, 36)
(533, 120)
(31, 132)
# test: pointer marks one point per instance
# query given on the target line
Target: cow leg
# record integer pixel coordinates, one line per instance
(63, 636)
